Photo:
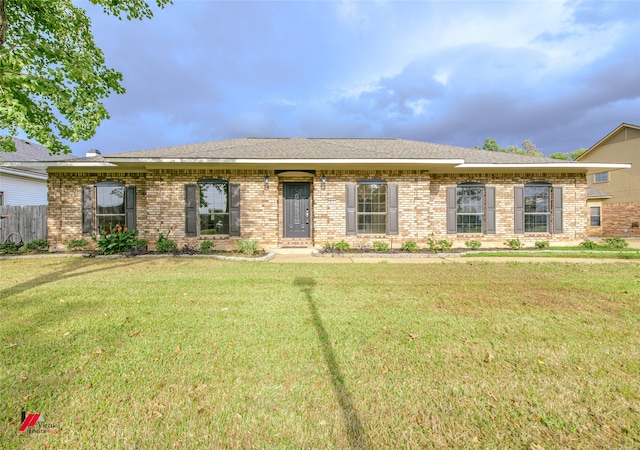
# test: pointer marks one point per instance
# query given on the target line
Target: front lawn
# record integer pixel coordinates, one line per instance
(199, 353)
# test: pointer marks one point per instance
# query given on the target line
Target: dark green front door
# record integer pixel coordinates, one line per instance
(297, 215)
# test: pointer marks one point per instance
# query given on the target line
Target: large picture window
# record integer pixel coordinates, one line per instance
(213, 208)
(372, 208)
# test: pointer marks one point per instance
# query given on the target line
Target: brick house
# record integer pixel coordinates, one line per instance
(613, 198)
(306, 192)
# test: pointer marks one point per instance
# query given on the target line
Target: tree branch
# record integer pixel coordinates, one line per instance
(4, 25)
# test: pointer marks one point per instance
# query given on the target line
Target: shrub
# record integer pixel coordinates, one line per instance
(615, 242)
(410, 246)
(76, 244)
(165, 245)
(118, 240)
(439, 246)
(186, 250)
(589, 244)
(39, 245)
(329, 247)
(248, 247)
(513, 244)
(206, 246)
(380, 247)
(9, 248)
(473, 245)
(342, 246)
(542, 245)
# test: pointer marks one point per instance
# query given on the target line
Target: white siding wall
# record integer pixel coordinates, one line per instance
(20, 191)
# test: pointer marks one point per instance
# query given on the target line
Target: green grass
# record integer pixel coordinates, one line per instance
(194, 353)
(562, 252)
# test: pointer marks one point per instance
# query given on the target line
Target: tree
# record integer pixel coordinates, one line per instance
(528, 148)
(53, 77)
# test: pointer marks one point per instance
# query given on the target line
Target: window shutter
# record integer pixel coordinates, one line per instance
(191, 209)
(490, 215)
(452, 224)
(557, 210)
(392, 209)
(87, 210)
(234, 210)
(351, 209)
(519, 210)
(130, 207)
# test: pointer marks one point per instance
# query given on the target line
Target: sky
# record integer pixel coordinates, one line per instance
(562, 74)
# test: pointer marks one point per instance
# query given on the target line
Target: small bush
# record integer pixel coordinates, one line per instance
(248, 247)
(329, 247)
(76, 244)
(615, 242)
(589, 244)
(9, 248)
(381, 247)
(39, 245)
(342, 246)
(186, 250)
(165, 245)
(473, 245)
(542, 245)
(119, 240)
(513, 244)
(410, 246)
(206, 246)
(439, 246)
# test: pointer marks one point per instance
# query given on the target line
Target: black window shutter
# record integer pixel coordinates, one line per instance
(519, 210)
(351, 209)
(87, 210)
(234, 210)
(130, 208)
(452, 225)
(191, 209)
(392, 206)
(490, 216)
(557, 210)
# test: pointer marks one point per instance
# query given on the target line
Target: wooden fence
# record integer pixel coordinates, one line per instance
(26, 222)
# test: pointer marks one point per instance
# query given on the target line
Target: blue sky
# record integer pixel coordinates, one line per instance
(562, 74)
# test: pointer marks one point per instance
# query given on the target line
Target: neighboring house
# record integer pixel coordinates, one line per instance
(307, 192)
(25, 185)
(614, 197)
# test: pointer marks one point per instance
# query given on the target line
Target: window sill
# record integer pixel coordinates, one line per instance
(214, 237)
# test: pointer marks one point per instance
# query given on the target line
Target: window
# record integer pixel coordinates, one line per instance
(538, 208)
(601, 177)
(471, 208)
(214, 207)
(107, 204)
(595, 216)
(469, 201)
(1, 198)
(372, 208)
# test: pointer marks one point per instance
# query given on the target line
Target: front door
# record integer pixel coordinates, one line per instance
(297, 215)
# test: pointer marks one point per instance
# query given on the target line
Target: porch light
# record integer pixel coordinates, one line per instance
(323, 181)
(266, 181)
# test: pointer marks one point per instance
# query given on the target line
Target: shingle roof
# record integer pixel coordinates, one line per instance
(327, 148)
(28, 151)
(597, 193)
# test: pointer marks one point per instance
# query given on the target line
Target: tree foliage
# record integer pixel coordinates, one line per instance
(530, 149)
(53, 77)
